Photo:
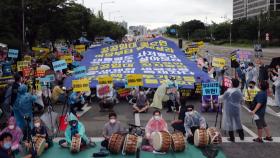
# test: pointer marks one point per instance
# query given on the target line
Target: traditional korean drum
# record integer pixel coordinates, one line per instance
(39, 145)
(76, 144)
(178, 142)
(116, 143)
(130, 144)
(201, 138)
(161, 141)
(215, 136)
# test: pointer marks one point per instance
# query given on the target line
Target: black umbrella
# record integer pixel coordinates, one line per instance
(274, 62)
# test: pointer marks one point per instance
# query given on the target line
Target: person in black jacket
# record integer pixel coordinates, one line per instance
(5, 145)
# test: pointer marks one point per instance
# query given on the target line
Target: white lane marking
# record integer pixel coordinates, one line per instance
(137, 119)
(249, 131)
(85, 109)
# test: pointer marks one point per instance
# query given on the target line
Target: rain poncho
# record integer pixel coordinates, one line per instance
(160, 96)
(16, 133)
(232, 100)
(277, 91)
(80, 130)
(193, 119)
(155, 126)
(23, 105)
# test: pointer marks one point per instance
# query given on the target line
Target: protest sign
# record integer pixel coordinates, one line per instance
(227, 82)
(105, 80)
(48, 78)
(211, 88)
(40, 72)
(233, 60)
(38, 49)
(27, 58)
(218, 62)
(59, 65)
(22, 64)
(134, 80)
(244, 56)
(104, 90)
(198, 88)
(81, 85)
(80, 48)
(26, 71)
(123, 92)
(80, 72)
(185, 92)
(13, 53)
(67, 58)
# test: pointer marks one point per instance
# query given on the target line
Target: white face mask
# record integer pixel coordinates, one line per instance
(112, 121)
(37, 125)
(11, 126)
(157, 117)
(190, 112)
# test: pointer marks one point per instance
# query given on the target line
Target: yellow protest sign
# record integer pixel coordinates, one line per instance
(27, 58)
(189, 79)
(81, 85)
(151, 81)
(22, 64)
(200, 44)
(80, 48)
(38, 49)
(105, 80)
(218, 62)
(134, 80)
(67, 58)
(37, 85)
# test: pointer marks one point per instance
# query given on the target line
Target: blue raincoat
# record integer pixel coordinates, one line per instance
(80, 130)
(23, 105)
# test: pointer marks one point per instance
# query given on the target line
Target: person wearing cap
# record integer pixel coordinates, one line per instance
(16, 133)
(75, 128)
(193, 121)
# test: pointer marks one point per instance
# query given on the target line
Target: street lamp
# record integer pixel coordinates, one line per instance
(110, 2)
(117, 11)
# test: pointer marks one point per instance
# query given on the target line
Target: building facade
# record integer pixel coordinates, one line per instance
(252, 8)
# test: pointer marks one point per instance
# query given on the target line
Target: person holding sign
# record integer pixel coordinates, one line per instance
(142, 103)
(250, 93)
(232, 100)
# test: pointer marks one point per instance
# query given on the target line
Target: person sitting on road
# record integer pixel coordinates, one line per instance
(111, 127)
(193, 121)
(76, 101)
(58, 94)
(75, 129)
(142, 104)
(179, 123)
(155, 124)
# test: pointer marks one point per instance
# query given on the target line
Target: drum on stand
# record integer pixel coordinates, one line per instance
(116, 143)
(161, 141)
(75, 144)
(40, 144)
(130, 144)
(201, 138)
(178, 142)
(215, 136)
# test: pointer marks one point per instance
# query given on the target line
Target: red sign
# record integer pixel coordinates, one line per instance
(40, 72)
(227, 82)
(26, 71)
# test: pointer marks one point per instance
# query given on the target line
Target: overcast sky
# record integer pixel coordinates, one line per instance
(158, 13)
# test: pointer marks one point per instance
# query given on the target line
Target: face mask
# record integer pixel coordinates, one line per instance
(156, 117)
(112, 121)
(7, 145)
(141, 93)
(37, 125)
(190, 112)
(11, 126)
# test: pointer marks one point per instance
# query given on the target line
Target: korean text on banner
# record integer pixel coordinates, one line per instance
(80, 48)
(22, 64)
(38, 49)
(40, 72)
(104, 90)
(134, 80)
(80, 72)
(105, 80)
(211, 88)
(48, 78)
(26, 71)
(67, 58)
(59, 65)
(13, 53)
(218, 62)
(227, 82)
(81, 85)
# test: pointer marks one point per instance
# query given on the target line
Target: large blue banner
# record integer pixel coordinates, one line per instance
(157, 60)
